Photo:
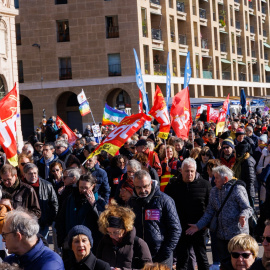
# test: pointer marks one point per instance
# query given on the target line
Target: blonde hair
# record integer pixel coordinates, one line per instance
(244, 242)
(115, 210)
(195, 152)
(155, 266)
(163, 153)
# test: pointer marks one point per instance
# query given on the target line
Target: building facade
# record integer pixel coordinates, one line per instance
(66, 45)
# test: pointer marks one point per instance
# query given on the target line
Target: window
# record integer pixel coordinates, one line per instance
(16, 3)
(112, 29)
(114, 64)
(20, 71)
(65, 68)
(18, 34)
(3, 39)
(62, 31)
(60, 2)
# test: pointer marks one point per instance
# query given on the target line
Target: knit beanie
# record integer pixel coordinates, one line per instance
(79, 229)
(225, 135)
(199, 141)
(229, 142)
(242, 148)
(263, 138)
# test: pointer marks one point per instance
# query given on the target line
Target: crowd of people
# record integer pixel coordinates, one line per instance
(156, 204)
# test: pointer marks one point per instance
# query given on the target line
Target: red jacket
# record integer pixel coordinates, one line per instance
(153, 161)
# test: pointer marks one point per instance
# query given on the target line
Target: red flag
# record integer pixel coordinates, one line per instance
(140, 102)
(160, 112)
(222, 116)
(212, 114)
(181, 118)
(200, 110)
(66, 130)
(126, 128)
(8, 116)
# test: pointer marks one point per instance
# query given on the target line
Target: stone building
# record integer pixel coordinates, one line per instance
(66, 45)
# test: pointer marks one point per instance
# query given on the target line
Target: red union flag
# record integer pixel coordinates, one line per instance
(181, 114)
(8, 115)
(200, 110)
(222, 116)
(212, 114)
(160, 112)
(127, 127)
(66, 130)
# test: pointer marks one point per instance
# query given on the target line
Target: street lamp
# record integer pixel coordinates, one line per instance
(41, 75)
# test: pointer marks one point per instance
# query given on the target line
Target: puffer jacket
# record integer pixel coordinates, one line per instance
(127, 254)
(162, 230)
(237, 205)
(264, 160)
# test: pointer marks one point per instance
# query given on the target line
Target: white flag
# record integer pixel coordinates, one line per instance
(81, 97)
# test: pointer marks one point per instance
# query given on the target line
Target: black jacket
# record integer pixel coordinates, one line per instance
(161, 234)
(90, 263)
(50, 133)
(48, 203)
(191, 199)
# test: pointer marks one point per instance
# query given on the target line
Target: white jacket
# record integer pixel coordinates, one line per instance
(264, 160)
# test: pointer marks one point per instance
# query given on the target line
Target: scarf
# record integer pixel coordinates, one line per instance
(237, 166)
(47, 166)
(266, 262)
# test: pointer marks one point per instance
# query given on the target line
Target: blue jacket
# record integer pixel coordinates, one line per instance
(39, 257)
(161, 234)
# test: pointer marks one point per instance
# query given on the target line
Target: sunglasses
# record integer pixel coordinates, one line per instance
(267, 238)
(226, 147)
(23, 163)
(205, 154)
(56, 170)
(236, 255)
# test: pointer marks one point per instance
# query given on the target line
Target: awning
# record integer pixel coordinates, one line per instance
(266, 45)
(267, 68)
(241, 63)
(183, 53)
(225, 61)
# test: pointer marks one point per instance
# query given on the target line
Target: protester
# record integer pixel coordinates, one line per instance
(57, 180)
(38, 151)
(227, 156)
(79, 149)
(202, 160)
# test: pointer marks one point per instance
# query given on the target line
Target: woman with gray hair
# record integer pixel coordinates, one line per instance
(228, 210)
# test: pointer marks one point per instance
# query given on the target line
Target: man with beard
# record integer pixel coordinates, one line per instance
(156, 219)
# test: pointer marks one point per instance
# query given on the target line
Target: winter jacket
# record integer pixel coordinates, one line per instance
(115, 175)
(228, 162)
(51, 134)
(202, 170)
(128, 254)
(157, 222)
(257, 155)
(66, 157)
(183, 153)
(237, 205)
(257, 265)
(102, 185)
(78, 153)
(264, 160)
(90, 263)
(26, 197)
(48, 203)
(190, 199)
(41, 166)
(39, 257)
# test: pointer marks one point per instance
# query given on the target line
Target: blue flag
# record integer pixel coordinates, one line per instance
(187, 71)
(168, 82)
(140, 84)
(243, 102)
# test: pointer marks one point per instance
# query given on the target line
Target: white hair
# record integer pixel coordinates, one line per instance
(223, 171)
(189, 161)
(28, 149)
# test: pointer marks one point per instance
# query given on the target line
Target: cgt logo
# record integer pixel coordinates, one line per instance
(182, 120)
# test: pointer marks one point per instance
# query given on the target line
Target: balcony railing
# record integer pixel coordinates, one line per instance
(65, 74)
(115, 70)
(242, 77)
(204, 43)
(160, 69)
(226, 75)
(267, 78)
(202, 13)
(157, 2)
(263, 10)
(250, 4)
(237, 25)
(157, 34)
(252, 30)
(239, 51)
(264, 33)
(183, 39)
(223, 47)
(113, 32)
(256, 78)
(180, 6)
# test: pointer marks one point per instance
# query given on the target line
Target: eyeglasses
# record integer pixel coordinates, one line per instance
(23, 163)
(267, 238)
(56, 170)
(115, 233)
(5, 234)
(245, 255)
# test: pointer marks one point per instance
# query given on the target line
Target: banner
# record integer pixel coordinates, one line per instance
(8, 116)
(81, 97)
(168, 82)
(200, 110)
(112, 116)
(116, 139)
(222, 116)
(187, 74)
(160, 112)
(84, 108)
(181, 119)
(243, 101)
(140, 103)
(212, 114)
(66, 130)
